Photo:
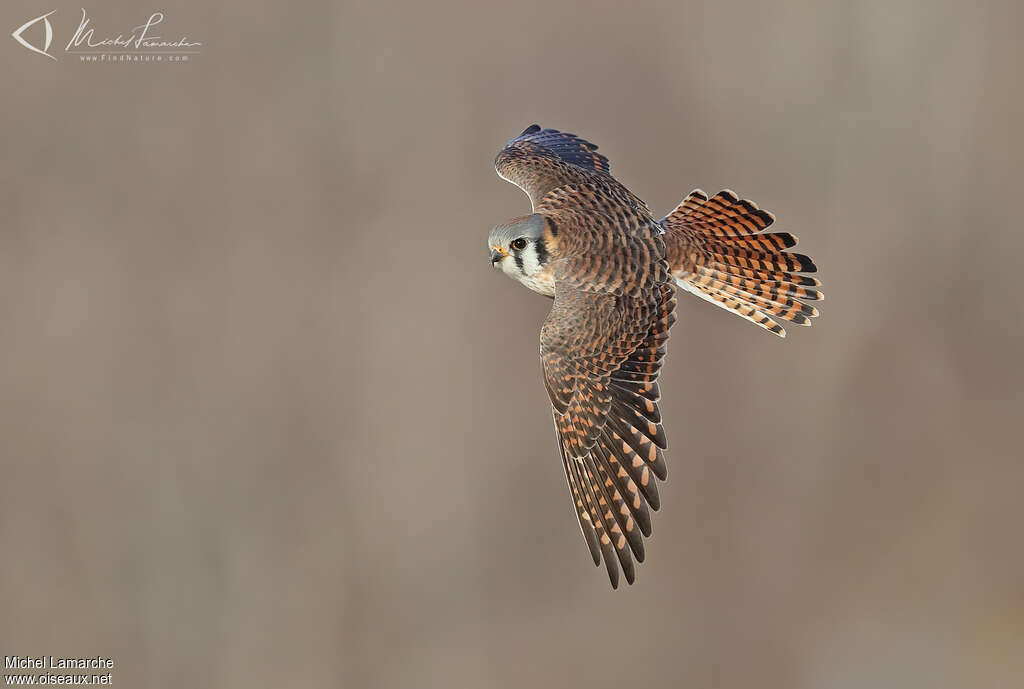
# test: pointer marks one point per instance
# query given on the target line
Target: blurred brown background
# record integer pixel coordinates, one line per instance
(268, 417)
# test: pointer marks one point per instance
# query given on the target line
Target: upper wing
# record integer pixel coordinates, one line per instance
(601, 372)
(539, 160)
(602, 352)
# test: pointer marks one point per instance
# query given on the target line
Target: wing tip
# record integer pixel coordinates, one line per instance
(613, 569)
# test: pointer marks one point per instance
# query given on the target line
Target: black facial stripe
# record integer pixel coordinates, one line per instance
(553, 227)
(542, 251)
(519, 261)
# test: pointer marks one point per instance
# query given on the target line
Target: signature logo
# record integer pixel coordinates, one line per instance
(49, 34)
(140, 43)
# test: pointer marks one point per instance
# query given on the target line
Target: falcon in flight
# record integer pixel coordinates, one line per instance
(612, 269)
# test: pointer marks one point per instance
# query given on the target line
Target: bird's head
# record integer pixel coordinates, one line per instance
(522, 247)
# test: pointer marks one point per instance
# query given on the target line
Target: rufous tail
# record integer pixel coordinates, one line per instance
(718, 250)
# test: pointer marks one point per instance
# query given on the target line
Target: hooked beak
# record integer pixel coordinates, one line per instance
(496, 256)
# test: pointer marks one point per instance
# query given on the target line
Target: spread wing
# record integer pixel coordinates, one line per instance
(602, 347)
(539, 160)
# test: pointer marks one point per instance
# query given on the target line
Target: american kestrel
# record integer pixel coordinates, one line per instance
(594, 247)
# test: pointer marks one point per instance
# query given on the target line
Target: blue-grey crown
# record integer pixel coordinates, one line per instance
(529, 226)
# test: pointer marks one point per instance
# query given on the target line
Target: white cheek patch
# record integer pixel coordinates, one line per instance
(509, 267)
(531, 264)
(534, 276)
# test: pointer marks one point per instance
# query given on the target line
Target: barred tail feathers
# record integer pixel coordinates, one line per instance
(718, 251)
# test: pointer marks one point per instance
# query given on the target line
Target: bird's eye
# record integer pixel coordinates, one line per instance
(518, 244)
